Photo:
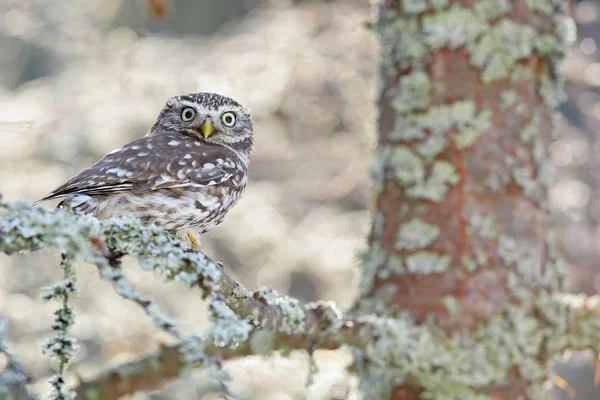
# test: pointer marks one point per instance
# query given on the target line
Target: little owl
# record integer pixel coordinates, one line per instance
(184, 175)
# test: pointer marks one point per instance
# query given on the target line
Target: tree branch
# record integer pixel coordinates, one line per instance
(165, 364)
(276, 322)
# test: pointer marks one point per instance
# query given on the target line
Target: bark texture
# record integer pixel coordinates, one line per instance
(460, 239)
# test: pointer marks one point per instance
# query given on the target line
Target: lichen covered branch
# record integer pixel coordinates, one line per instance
(62, 346)
(235, 311)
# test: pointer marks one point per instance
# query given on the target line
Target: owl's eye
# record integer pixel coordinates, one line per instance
(228, 119)
(188, 114)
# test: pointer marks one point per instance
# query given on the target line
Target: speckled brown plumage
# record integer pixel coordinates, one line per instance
(184, 175)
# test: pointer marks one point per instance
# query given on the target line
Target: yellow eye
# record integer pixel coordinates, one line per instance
(228, 118)
(188, 114)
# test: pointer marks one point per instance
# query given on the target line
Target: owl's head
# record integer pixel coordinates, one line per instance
(208, 117)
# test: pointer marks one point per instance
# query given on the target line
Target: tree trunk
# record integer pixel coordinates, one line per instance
(468, 92)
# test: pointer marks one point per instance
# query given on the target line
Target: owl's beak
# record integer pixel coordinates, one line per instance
(207, 128)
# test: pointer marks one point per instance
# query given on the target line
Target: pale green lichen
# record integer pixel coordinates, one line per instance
(466, 137)
(461, 366)
(402, 43)
(443, 175)
(451, 304)
(394, 266)
(521, 73)
(496, 181)
(432, 146)
(420, 6)
(378, 224)
(416, 234)
(523, 176)
(531, 130)
(543, 6)
(481, 225)
(492, 9)
(508, 250)
(547, 175)
(438, 120)
(469, 263)
(227, 329)
(378, 168)
(413, 93)
(497, 51)
(408, 166)
(371, 260)
(469, 124)
(551, 93)
(414, 6)
(508, 98)
(427, 262)
(453, 28)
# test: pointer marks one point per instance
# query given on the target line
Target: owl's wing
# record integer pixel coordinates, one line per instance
(151, 163)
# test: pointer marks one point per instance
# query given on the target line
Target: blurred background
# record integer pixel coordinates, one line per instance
(79, 78)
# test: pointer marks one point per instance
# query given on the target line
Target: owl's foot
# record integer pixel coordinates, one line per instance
(189, 239)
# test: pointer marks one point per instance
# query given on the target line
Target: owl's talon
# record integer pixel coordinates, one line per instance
(193, 241)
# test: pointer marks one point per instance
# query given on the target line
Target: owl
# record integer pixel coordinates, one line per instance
(185, 174)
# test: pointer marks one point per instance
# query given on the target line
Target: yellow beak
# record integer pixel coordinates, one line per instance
(207, 128)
